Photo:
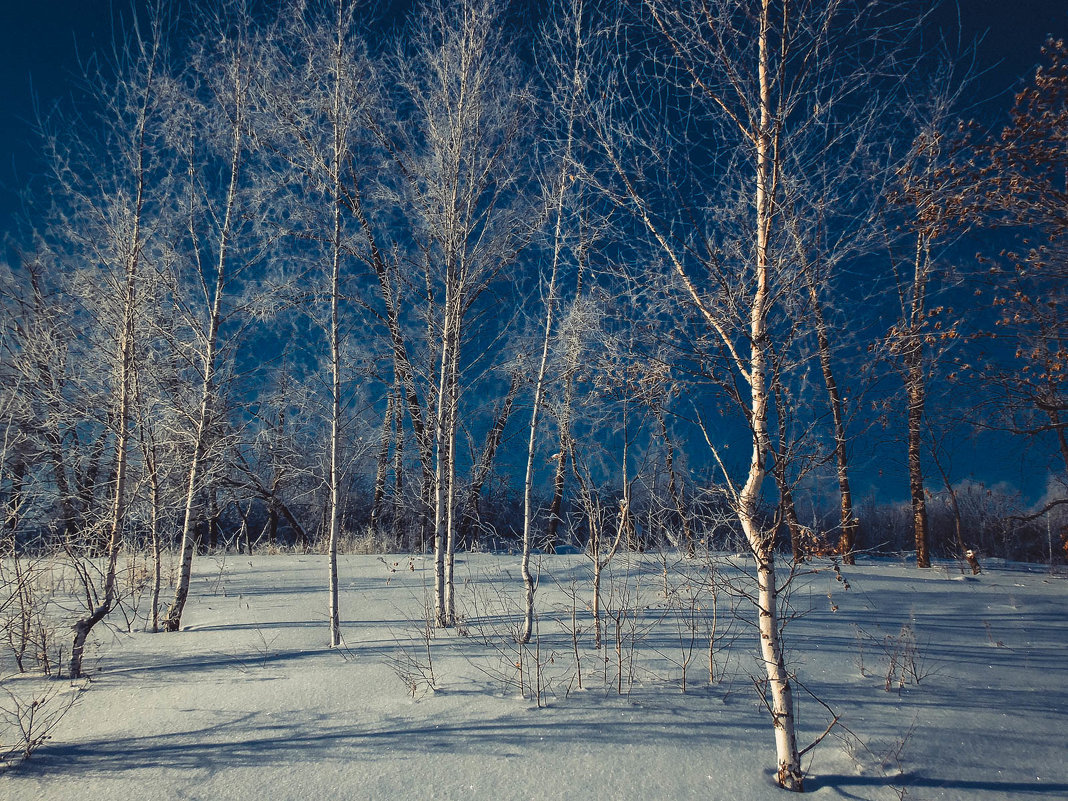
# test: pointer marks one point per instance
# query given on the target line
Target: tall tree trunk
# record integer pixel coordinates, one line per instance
(397, 505)
(151, 460)
(566, 451)
(389, 434)
(126, 353)
(157, 553)
(480, 474)
(84, 625)
(563, 183)
(450, 502)
(442, 448)
(916, 396)
(339, 148)
(403, 370)
(789, 775)
(539, 389)
(847, 540)
(173, 619)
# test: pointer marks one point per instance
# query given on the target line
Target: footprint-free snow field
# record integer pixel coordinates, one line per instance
(944, 685)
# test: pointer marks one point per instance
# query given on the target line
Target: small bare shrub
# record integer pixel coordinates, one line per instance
(414, 666)
(27, 718)
(28, 617)
(907, 663)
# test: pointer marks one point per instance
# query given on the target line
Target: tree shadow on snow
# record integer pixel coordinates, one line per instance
(915, 780)
(255, 739)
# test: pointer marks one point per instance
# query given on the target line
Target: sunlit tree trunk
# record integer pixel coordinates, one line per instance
(916, 395)
(561, 186)
(443, 448)
(146, 60)
(847, 539)
(762, 543)
(234, 94)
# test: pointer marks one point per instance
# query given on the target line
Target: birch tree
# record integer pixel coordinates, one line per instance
(214, 134)
(744, 82)
(113, 193)
(456, 145)
(565, 44)
(322, 96)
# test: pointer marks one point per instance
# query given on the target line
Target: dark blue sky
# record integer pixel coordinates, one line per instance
(41, 43)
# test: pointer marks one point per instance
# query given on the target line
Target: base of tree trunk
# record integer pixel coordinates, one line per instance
(790, 778)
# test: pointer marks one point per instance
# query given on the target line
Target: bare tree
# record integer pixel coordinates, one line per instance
(1015, 182)
(747, 83)
(112, 193)
(457, 147)
(568, 35)
(321, 96)
(923, 328)
(214, 132)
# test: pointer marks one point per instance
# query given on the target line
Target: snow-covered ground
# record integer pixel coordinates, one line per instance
(247, 702)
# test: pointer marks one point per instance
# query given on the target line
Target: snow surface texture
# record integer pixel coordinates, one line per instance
(247, 703)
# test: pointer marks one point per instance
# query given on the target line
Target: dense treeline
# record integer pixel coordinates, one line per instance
(651, 276)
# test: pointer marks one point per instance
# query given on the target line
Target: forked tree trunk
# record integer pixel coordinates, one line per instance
(450, 501)
(126, 354)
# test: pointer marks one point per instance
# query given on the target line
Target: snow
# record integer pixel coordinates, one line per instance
(247, 703)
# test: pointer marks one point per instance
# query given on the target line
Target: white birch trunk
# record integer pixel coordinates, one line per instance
(441, 450)
(126, 354)
(335, 336)
(173, 620)
(762, 543)
(450, 501)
